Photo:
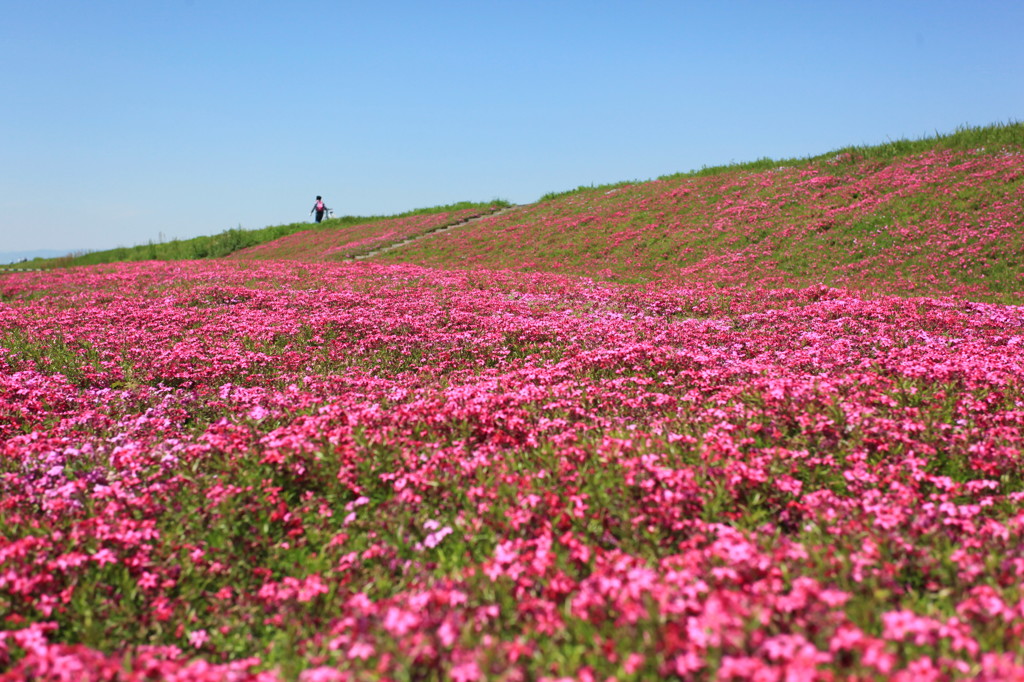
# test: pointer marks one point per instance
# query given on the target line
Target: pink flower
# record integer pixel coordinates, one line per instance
(360, 650)
(447, 633)
(468, 671)
(322, 674)
(399, 622)
(633, 662)
(434, 539)
(198, 638)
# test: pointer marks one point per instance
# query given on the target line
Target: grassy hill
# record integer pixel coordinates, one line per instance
(935, 216)
(932, 216)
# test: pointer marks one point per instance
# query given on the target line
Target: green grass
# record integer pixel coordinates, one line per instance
(964, 138)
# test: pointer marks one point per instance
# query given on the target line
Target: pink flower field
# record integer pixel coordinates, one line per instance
(248, 470)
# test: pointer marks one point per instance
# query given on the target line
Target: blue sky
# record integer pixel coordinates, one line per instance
(129, 121)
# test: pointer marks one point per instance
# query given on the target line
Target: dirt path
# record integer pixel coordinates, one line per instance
(430, 233)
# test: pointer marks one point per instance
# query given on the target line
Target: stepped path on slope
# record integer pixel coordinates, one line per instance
(431, 233)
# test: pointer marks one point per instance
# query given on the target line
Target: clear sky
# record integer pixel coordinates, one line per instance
(125, 121)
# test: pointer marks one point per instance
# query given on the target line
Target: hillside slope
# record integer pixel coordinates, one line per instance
(939, 221)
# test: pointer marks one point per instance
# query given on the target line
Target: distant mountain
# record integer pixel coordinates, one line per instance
(18, 256)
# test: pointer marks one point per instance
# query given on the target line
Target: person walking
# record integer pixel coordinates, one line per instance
(319, 208)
